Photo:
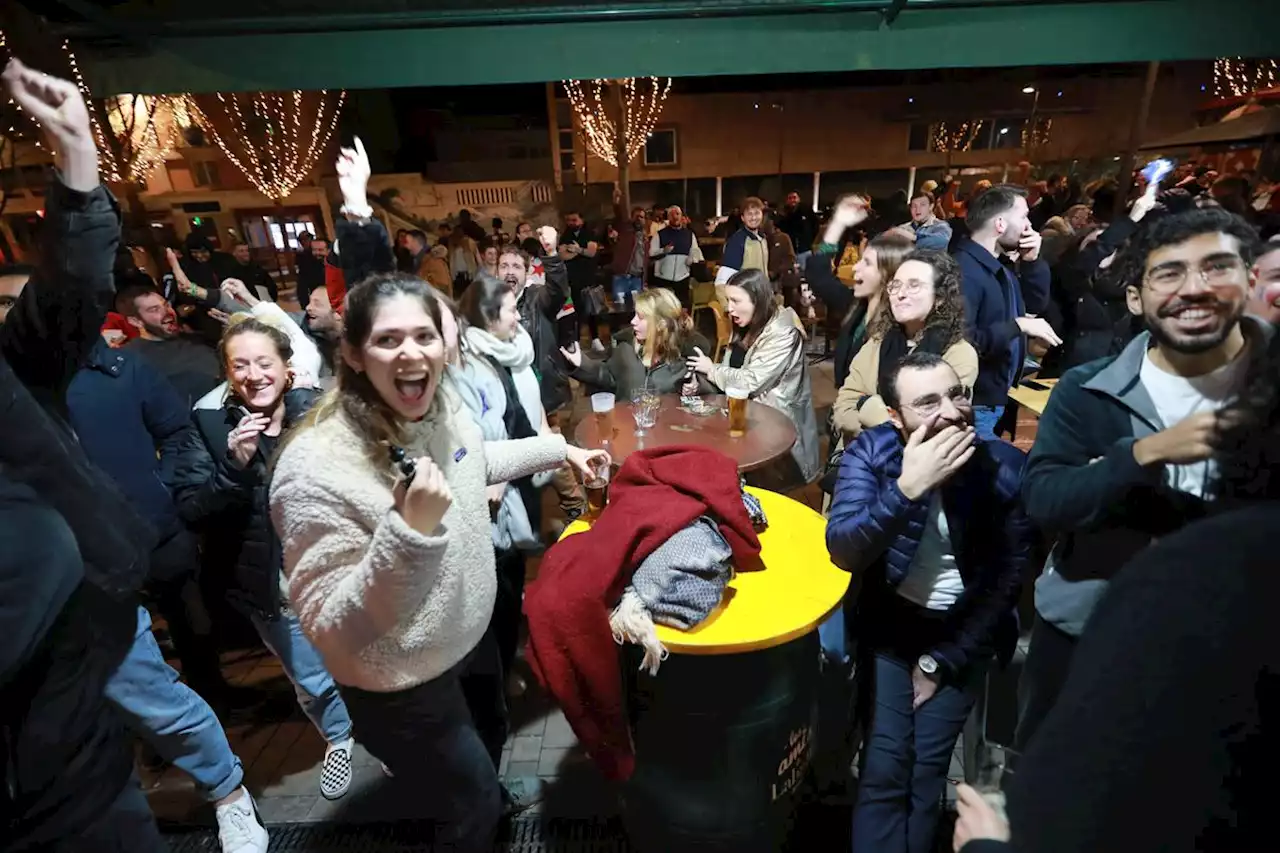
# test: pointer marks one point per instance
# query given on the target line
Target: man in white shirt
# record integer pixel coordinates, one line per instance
(1123, 452)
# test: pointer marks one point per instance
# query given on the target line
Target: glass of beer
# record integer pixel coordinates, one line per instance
(597, 489)
(602, 409)
(737, 411)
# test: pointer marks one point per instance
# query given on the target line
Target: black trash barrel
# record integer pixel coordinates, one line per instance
(722, 744)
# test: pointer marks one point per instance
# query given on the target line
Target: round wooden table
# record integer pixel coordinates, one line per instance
(770, 434)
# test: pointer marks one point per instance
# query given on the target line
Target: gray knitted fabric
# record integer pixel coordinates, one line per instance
(682, 580)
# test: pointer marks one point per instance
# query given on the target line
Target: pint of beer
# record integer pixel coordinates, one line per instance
(597, 488)
(602, 410)
(737, 412)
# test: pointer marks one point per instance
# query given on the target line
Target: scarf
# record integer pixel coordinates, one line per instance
(517, 356)
(895, 345)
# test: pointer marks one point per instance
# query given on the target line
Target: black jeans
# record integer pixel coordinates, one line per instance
(508, 606)
(126, 826)
(444, 740)
(1043, 675)
(680, 288)
(174, 588)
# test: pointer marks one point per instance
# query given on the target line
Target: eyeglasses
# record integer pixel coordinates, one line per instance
(930, 404)
(1221, 271)
(911, 286)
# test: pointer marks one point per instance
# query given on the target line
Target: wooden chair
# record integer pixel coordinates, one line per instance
(724, 329)
(702, 294)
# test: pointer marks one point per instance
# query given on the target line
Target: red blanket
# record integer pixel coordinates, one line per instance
(571, 649)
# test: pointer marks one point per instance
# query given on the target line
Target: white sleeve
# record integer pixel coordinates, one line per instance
(306, 360)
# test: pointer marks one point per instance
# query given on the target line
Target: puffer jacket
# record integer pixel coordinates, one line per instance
(229, 507)
(775, 372)
(624, 373)
(73, 552)
(539, 304)
(873, 531)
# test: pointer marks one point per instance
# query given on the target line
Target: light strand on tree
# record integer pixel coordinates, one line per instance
(643, 99)
(264, 138)
(958, 138)
(1237, 77)
(1044, 125)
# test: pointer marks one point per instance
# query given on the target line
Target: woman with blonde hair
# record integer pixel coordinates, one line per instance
(651, 353)
(922, 309)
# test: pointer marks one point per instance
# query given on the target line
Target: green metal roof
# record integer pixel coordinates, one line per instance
(153, 46)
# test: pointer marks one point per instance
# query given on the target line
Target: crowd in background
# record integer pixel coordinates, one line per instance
(355, 484)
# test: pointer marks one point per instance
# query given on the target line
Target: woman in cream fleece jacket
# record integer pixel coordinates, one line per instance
(392, 574)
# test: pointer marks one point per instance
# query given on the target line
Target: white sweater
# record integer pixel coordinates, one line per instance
(387, 607)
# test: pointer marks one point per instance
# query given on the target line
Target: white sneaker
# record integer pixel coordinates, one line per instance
(238, 828)
(335, 776)
(597, 346)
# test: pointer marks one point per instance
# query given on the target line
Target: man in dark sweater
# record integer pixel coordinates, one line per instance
(186, 360)
(1123, 453)
(1002, 297)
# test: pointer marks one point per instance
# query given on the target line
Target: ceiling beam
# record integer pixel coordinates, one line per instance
(925, 35)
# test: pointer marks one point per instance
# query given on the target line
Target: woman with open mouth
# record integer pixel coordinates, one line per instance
(380, 501)
(220, 488)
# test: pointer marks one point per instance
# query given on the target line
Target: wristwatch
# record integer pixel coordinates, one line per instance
(928, 665)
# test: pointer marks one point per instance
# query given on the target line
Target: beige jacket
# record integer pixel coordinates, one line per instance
(776, 373)
(387, 607)
(851, 419)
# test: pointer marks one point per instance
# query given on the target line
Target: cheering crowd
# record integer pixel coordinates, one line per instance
(172, 444)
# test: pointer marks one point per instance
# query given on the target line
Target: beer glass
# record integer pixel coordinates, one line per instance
(737, 412)
(602, 409)
(597, 489)
(644, 406)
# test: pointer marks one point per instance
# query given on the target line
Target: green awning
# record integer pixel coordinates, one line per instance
(290, 44)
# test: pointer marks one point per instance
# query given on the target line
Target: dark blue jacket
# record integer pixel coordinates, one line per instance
(994, 297)
(123, 411)
(873, 532)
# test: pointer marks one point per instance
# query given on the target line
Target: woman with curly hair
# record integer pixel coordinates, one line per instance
(923, 311)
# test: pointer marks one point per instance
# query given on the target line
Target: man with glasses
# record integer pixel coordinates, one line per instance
(927, 516)
(1123, 453)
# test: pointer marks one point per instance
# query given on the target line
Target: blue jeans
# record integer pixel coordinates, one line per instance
(171, 717)
(317, 693)
(905, 760)
(985, 419)
(625, 284)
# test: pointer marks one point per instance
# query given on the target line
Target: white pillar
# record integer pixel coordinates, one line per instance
(911, 182)
(1005, 179)
(719, 196)
(817, 183)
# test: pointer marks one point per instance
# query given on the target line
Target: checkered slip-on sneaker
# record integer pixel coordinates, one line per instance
(335, 775)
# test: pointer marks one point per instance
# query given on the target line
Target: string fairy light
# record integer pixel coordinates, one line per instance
(1044, 125)
(263, 133)
(643, 99)
(958, 138)
(1237, 77)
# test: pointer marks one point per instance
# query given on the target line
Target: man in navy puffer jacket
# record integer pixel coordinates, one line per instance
(928, 517)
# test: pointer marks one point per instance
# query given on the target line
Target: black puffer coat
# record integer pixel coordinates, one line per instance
(228, 506)
(72, 550)
(539, 304)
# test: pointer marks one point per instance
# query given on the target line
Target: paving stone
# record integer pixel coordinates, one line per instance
(550, 761)
(518, 769)
(286, 809)
(526, 748)
(559, 735)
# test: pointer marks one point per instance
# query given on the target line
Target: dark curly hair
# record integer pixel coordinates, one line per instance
(1248, 443)
(1173, 228)
(948, 303)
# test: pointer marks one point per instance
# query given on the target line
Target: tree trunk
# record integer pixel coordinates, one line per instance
(624, 162)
